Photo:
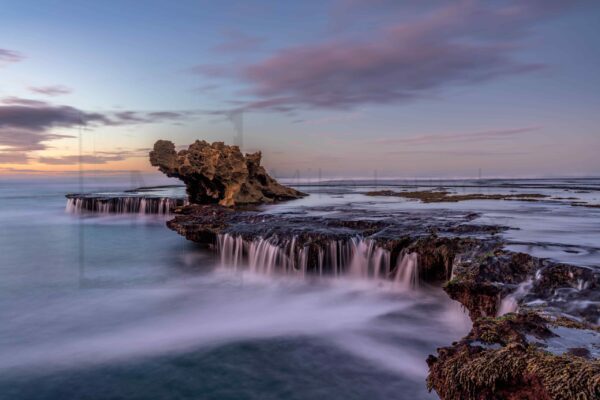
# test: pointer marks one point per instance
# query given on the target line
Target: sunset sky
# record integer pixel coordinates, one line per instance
(348, 86)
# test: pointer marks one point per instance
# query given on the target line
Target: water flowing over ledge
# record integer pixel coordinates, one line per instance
(122, 205)
(355, 257)
(521, 306)
(533, 296)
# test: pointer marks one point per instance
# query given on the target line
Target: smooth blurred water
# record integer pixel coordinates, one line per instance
(120, 307)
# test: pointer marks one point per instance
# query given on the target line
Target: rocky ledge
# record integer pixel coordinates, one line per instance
(535, 332)
(520, 356)
(435, 236)
(218, 173)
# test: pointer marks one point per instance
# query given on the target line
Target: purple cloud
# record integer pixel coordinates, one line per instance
(23, 102)
(27, 125)
(139, 117)
(13, 158)
(459, 44)
(41, 116)
(56, 90)
(17, 112)
(9, 56)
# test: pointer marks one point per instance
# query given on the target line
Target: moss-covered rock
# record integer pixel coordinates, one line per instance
(504, 358)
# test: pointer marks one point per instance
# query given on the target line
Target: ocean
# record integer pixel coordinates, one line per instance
(117, 306)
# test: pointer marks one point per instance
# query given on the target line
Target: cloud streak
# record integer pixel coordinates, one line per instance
(99, 157)
(498, 134)
(41, 116)
(27, 125)
(52, 91)
(9, 56)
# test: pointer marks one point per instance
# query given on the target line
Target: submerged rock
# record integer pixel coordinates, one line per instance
(218, 173)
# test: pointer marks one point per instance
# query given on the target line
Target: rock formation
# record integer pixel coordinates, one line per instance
(524, 356)
(218, 173)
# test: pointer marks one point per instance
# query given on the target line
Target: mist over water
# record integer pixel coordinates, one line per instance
(103, 306)
(97, 326)
(142, 313)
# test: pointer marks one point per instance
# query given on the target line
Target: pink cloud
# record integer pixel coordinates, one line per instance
(9, 56)
(466, 42)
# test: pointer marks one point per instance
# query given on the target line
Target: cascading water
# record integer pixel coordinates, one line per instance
(355, 257)
(122, 205)
(407, 271)
(261, 255)
(511, 302)
(368, 260)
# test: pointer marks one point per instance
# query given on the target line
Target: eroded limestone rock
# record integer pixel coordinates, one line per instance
(218, 173)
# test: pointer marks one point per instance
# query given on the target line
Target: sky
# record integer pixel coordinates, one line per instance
(340, 88)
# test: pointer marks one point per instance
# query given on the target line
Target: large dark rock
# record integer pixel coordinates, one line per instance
(218, 173)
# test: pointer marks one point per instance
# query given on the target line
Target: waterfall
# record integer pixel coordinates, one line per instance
(511, 302)
(368, 260)
(407, 271)
(121, 205)
(356, 257)
(261, 255)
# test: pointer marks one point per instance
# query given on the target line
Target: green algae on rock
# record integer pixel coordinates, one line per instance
(431, 196)
(505, 358)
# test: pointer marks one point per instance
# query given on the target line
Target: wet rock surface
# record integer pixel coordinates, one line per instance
(518, 356)
(218, 173)
(442, 196)
(433, 235)
(546, 344)
(535, 350)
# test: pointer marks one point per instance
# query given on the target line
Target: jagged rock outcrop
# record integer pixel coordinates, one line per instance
(218, 173)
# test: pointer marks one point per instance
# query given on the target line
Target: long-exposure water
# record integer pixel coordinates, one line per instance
(99, 306)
